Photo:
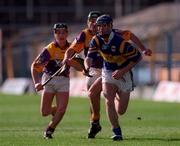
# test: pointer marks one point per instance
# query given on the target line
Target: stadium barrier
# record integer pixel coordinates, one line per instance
(17, 86)
(167, 91)
(78, 87)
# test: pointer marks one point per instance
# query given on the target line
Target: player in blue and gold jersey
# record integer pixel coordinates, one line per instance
(48, 62)
(81, 44)
(119, 57)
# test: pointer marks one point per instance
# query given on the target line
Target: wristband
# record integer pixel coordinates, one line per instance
(144, 51)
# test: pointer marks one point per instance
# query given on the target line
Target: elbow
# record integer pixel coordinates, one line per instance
(32, 66)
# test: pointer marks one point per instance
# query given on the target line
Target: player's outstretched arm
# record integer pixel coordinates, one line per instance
(68, 55)
(143, 49)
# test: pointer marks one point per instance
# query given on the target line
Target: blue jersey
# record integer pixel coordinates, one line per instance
(115, 51)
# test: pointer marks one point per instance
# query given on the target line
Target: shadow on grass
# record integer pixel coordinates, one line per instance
(18, 130)
(157, 138)
(98, 137)
(137, 139)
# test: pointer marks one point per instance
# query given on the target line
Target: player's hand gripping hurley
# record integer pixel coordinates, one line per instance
(75, 62)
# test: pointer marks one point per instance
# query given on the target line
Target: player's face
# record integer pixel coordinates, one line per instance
(104, 29)
(92, 24)
(60, 35)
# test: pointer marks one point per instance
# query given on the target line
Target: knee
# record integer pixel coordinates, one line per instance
(45, 113)
(121, 111)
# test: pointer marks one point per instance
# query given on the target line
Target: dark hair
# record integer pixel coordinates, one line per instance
(60, 25)
(94, 14)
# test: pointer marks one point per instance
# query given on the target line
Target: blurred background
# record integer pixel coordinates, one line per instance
(26, 27)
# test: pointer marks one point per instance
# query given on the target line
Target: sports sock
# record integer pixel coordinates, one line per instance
(117, 131)
(50, 129)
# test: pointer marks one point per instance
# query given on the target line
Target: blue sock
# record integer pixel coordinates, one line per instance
(117, 131)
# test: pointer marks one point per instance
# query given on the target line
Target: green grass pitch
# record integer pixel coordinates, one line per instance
(22, 125)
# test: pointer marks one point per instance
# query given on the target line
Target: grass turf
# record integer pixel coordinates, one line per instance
(145, 123)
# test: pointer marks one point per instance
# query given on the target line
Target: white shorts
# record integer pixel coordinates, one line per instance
(56, 84)
(124, 84)
(96, 73)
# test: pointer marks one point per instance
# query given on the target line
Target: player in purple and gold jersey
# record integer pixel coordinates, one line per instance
(81, 43)
(119, 57)
(48, 62)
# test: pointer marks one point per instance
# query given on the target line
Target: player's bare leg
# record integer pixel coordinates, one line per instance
(46, 103)
(94, 93)
(47, 109)
(62, 101)
(121, 102)
(111, 110)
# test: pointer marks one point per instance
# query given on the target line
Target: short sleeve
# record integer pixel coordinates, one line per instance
(78, 43)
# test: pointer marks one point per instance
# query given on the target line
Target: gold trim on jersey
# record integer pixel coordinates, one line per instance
(119, 59)
(56, 52)
(131, 54)
(121, 48)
